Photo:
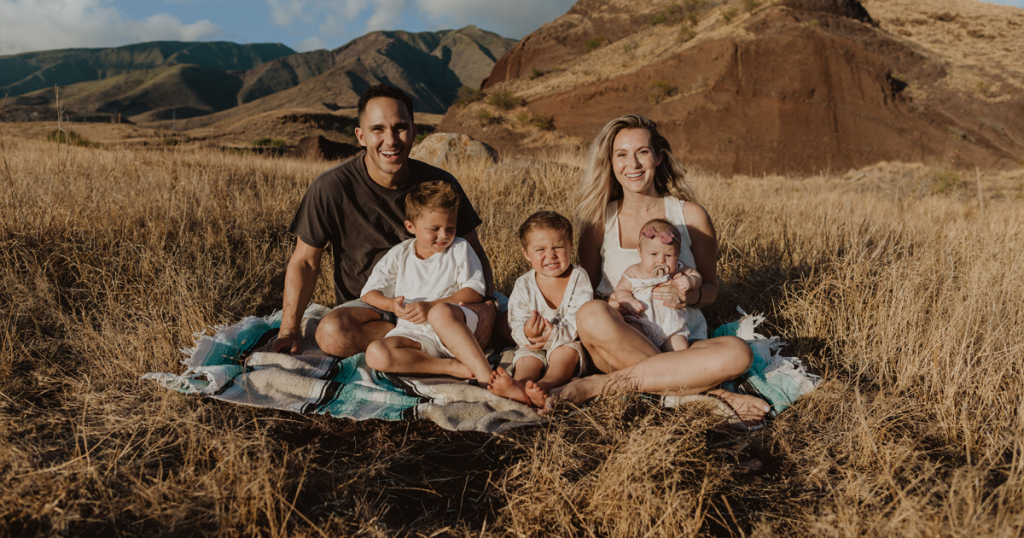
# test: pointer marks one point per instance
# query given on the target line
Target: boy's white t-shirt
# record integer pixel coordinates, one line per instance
(401, 273)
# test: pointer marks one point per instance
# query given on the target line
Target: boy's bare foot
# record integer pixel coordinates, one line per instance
(458, 370)
(537, 395)
(505, 386)
(576, 392)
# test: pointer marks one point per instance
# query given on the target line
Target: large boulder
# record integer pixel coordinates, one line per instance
(318, 147)
(439, 148)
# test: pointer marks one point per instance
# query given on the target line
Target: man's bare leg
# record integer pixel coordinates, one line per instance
(347, 331)
(449, 322)
(400, 355)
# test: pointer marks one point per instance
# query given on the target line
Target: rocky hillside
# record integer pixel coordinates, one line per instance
(796, 86)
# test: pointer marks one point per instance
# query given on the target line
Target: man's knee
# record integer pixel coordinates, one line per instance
(336, 333)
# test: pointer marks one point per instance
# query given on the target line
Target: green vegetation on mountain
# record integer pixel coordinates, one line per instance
(30, 71)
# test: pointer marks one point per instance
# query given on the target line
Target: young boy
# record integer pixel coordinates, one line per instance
(422, 280)
(542, 313)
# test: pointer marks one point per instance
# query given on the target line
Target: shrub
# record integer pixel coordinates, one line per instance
(536, 73)
(484, 115)
(658, 19)
(751, 5)
(662, 90)
(692, 18)
(729, 15)
(263, 142)
(170, 142)
(506, 100)
(523, 117)
(468, 95)
(68, 137)
(946, 182)
(544, 123)
(686, 33)
(594, 43)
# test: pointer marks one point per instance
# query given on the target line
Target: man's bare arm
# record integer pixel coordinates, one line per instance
(299, 283)
(474, 242)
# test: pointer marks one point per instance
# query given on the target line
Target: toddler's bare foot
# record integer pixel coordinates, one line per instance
(537, 395)
(505, 386)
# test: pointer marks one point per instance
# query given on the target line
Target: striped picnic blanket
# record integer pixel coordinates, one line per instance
(224, 366)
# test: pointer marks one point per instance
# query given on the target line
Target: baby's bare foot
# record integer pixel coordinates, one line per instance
(505, 386)
(537, 395)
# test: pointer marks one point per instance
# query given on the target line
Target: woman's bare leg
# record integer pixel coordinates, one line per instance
(637, 365)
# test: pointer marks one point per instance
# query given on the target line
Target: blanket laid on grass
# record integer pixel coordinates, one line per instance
(224, 366)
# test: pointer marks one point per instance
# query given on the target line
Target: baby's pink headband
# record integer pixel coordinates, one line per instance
(665, 237)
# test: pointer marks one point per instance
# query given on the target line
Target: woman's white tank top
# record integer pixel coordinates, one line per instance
(615, 259)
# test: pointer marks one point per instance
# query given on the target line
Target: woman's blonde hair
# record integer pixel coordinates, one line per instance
(598, 185)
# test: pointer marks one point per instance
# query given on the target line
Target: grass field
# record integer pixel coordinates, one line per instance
(899, 283)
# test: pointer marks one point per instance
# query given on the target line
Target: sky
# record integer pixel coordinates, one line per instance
(30, 25)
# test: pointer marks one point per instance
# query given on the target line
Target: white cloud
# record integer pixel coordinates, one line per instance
(386, 14)
(29, 25)
(510, 18)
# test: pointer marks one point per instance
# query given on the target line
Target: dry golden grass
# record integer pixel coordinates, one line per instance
(896, 285)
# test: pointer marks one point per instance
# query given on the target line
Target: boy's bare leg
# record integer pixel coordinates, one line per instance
(400, 355)
(449, 323)
(562, 362)
(505, 386)
(676, 342)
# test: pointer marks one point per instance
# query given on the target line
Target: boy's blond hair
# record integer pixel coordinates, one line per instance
(430, 196)
(661, 226)
(547, 220)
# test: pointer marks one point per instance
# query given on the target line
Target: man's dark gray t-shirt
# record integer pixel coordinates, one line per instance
(362, 220)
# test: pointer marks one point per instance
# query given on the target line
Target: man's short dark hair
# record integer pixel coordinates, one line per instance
(383, 90)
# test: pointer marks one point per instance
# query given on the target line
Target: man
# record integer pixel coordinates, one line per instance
(359, 208)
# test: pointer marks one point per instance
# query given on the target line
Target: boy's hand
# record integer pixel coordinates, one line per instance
(534, 326)
(540, 339)
(413, 313)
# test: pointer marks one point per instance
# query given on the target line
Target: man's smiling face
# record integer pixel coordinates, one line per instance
(387, 133)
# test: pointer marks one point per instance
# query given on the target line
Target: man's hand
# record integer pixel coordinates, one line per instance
(413, 313)
(282, 344)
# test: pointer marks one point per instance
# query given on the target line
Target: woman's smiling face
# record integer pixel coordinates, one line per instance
(634, 161)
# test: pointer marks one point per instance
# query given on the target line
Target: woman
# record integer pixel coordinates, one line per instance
(631, 178)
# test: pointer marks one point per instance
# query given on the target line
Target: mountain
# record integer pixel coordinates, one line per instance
(796, 86)
(30, 71)
(429, 66)
(158, 81)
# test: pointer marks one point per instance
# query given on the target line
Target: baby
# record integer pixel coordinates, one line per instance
(659, 262)
(422, 280)
(542, 313)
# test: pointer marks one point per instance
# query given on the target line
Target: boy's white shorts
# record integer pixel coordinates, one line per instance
(424, 335)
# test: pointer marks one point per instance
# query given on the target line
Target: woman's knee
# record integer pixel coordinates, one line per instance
(736, 355)
(595, 319)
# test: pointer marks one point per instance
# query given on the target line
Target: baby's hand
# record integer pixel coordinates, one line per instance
(633, 307)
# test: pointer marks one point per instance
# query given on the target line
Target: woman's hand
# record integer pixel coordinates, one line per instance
(673, 293)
